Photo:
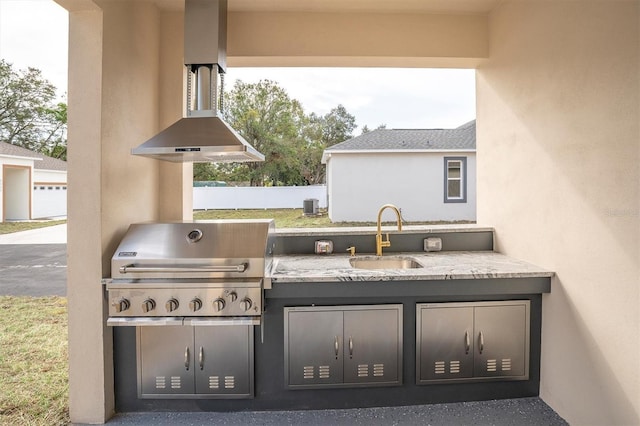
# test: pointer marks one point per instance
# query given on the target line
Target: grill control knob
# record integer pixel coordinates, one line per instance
(121, 305)
(219, 304)
(246, 304)
(171, 305)
(148, 305)
(233, 296)
(195, 304)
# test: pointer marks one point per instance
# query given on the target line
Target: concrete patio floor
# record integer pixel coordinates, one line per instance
(511, 412)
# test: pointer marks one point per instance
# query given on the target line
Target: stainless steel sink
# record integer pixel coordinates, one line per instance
(384, 262)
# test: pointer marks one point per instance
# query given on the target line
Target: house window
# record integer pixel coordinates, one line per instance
(455, 179)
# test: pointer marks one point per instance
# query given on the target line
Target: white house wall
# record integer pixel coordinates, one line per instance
(49, 193)
(359, 184)
(15, 188)
(49, 176)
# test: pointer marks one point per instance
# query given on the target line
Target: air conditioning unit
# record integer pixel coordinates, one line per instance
(310, 207)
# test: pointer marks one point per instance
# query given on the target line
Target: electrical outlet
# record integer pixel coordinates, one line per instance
(432, 244)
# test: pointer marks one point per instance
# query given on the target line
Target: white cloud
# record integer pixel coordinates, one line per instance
(34, 33)
(399, 98)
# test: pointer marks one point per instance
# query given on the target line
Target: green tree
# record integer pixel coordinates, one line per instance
(265, 115)
(276, 125)
(366, 129)
(320, 133)
(29, 116)
(336, 126)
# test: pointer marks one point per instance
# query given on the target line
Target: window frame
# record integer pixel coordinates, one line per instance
(463, 180)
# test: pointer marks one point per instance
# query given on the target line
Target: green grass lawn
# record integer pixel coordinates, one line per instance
(34, 381)
(9, 227)
(290, 218)
(285, 218)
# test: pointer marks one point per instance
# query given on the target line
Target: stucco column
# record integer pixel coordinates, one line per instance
(90, 341)
(117, 98)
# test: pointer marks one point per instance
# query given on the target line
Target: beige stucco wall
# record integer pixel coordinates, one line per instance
(558, 177)
(557, 110)
(339, 39)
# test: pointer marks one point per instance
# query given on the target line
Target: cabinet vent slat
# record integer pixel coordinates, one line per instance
(492, 365)
(363, 370)
(454, 367)
(439, 367)
(506, 364)
(161, 382)
(175, 382)
(308, 372)
(323, 371)
(214, 382)
(378, 370)
(229, 382)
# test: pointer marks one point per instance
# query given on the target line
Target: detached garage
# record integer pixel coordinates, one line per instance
(430, 174)
(32, 185)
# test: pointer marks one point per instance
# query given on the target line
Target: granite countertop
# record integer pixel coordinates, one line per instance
(452, 265)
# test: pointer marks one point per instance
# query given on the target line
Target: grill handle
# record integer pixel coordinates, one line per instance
(177, 269)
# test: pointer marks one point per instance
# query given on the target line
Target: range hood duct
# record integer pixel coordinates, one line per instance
(202, 136)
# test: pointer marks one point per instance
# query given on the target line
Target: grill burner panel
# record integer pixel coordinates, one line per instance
(207, 299)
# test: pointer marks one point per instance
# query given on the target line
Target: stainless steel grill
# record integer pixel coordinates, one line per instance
(190, 271)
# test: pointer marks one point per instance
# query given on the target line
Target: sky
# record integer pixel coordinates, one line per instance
(33, 33)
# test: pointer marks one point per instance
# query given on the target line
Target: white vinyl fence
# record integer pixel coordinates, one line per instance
(252, 197)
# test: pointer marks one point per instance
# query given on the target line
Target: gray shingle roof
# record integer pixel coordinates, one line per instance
(460, 138)
(46, 163)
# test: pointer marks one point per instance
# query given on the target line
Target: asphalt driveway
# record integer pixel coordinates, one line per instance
(34, 263)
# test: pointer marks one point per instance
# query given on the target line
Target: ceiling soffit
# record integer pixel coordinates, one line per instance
(352, 6)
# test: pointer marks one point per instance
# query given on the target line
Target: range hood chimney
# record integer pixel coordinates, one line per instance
(202, 136)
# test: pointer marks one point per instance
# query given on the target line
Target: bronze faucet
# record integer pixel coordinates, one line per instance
(379, 242)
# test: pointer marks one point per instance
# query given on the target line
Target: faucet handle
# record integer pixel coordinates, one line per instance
(352, 250)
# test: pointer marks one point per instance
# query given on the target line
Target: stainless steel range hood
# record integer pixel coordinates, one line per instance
(202, 136)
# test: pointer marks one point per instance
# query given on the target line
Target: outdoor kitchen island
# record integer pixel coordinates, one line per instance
(430, 332)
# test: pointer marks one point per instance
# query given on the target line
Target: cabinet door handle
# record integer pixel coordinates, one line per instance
(201, 358)
(480, 342)
(467, 342)
(186, 358)
(337, 346)
(350, 347)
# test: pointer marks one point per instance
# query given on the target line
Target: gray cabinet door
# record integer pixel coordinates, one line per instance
(372, 346)
(166, 360)
(445, 343)
(223, 361)
(313, 350)
(472, 341)
(501, 336)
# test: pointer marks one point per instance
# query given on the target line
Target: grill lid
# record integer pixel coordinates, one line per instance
(207, 249)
